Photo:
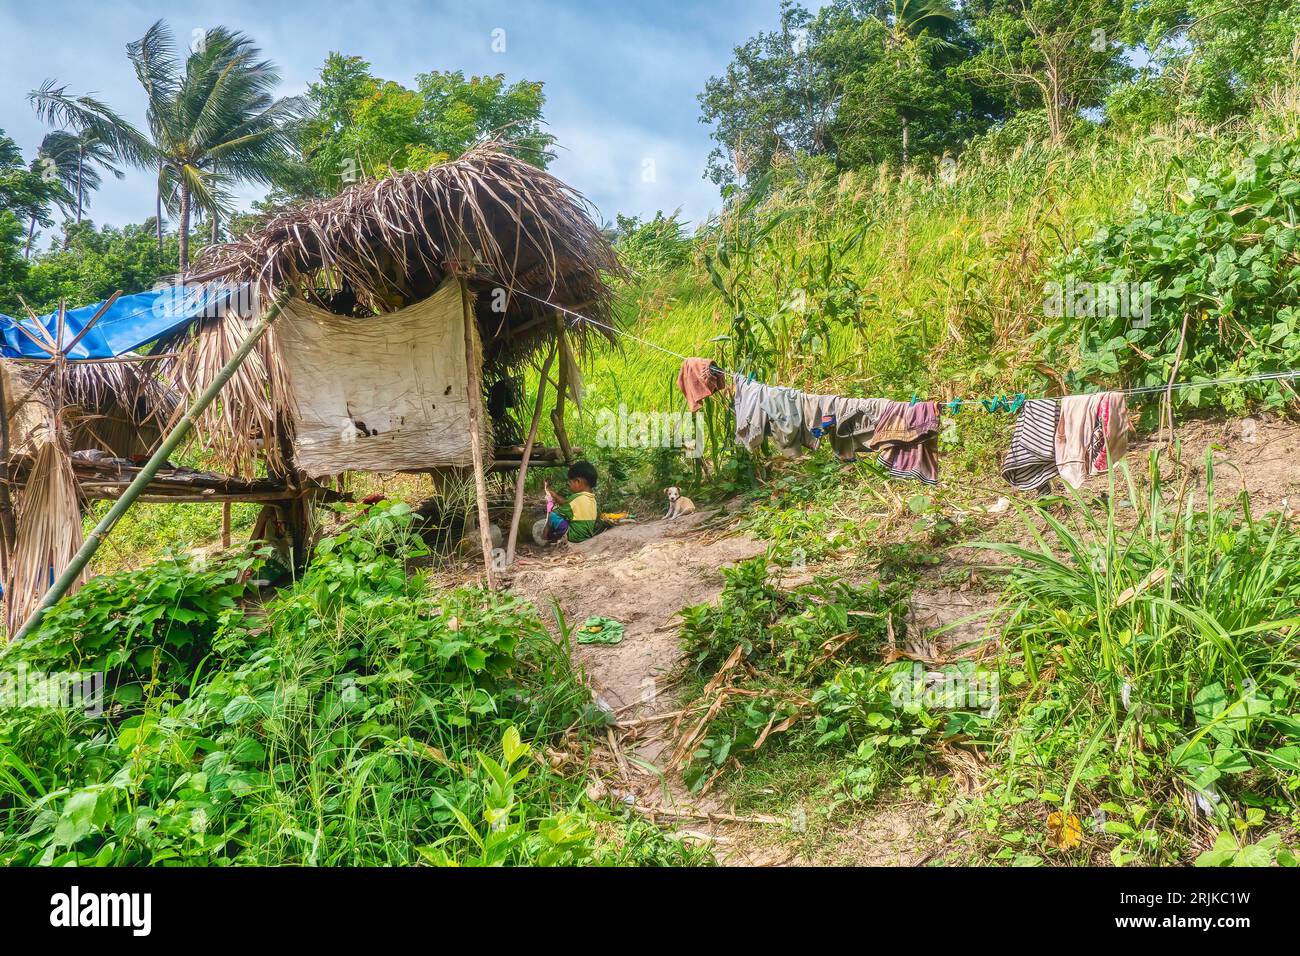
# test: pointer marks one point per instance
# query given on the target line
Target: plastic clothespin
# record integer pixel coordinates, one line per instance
(1017, 402)
(990, 404)
(954, 406)
(913, 401)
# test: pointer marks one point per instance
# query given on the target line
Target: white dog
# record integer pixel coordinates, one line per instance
(678, 504)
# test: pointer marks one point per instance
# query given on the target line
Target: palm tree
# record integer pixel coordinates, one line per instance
(212, 120)
(74, 161)
(908, 19)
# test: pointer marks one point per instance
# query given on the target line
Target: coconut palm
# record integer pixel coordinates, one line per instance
(212, 120)
(74, 161)
(908, 19)
(77, 159)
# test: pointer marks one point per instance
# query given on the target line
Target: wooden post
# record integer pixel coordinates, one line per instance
(562, 383)
(225, 524)
(513, 535)
(474, 385)
(146, 475)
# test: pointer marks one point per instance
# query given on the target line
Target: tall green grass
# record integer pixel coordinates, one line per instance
(1150, 663)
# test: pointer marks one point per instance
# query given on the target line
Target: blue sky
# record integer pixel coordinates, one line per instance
(621, 79)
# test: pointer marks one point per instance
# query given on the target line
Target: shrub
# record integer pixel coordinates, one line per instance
(1223, 263)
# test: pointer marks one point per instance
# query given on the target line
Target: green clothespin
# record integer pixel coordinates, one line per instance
(954, 406)
(990, 405)
(913, 401)
(1017, 402)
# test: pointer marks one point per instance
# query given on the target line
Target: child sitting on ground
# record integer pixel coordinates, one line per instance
(576, 518)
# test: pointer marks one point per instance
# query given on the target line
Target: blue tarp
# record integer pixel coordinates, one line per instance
(133, 321)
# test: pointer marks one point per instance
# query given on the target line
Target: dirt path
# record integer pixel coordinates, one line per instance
(642, 575)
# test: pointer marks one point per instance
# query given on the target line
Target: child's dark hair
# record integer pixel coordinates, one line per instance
(584, 470)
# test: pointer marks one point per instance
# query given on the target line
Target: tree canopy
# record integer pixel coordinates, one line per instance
(365, 126)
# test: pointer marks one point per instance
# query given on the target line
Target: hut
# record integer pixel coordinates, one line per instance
(391, 326)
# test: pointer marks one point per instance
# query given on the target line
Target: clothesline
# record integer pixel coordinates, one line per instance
(1137, 390)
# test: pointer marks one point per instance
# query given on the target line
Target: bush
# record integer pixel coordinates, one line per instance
(1150, 660)
(1224, 263)
(361, 719)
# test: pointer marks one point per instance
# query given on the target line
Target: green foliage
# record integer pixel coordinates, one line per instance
(797, 645)
(1231, 849)
(155, 625)
(1224, 262)
(357, 719)
(96, 263)
(364, 126)
(1211, 61)
(1058, 55)
(857, 83)
(654, 246)
(1170, 665)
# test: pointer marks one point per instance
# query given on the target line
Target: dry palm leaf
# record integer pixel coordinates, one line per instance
(49, 533)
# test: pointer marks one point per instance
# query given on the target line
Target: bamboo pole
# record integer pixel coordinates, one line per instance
(146, 475)
(511, 539)
(474, 386)
(8, 530)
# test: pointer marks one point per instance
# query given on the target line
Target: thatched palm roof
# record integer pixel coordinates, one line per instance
(121, 408)
(382, 245)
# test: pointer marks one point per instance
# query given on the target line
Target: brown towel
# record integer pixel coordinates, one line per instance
(698, 380)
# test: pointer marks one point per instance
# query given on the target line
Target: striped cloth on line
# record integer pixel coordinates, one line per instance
(1031, 462)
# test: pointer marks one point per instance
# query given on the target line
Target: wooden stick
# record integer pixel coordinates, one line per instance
(562, 382)
(515, 515)
(225, 524)
(708, 817)
(8, 530)
(99, 314)
(49, 345)
(475, 388)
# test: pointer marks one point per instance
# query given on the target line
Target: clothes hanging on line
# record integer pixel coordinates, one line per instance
(784, 418)
(698, 379)
(1031, 462)
(857, 422)
(907, 437)
(764, 411)
(751, 416)
(847, 423)
(1110, 442)
(1073, 437)
(1091, 435)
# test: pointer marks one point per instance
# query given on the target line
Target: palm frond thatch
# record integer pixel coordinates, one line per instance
(384, 244)
(122, 408)
(49, 532)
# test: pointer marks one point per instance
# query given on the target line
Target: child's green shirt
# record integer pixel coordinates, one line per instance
(581, 512)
